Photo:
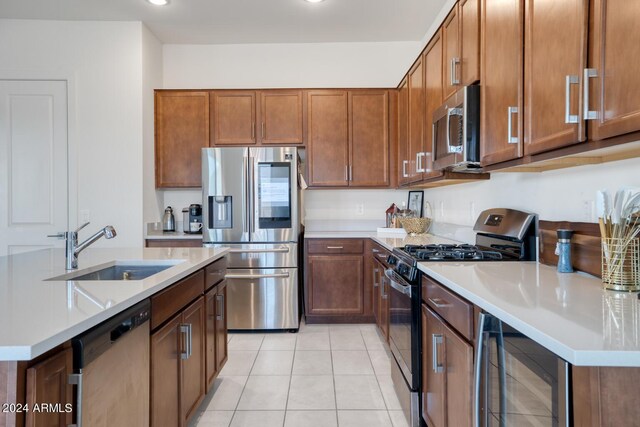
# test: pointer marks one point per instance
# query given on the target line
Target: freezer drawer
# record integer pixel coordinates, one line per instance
(262, 298)
(260, 255)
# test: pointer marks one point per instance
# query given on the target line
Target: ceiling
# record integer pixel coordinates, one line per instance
(248, 21)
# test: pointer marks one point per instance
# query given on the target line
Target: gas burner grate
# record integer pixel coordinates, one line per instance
(451, 252)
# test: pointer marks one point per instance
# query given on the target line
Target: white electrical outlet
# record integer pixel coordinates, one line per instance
(360, 209)
(85, 215)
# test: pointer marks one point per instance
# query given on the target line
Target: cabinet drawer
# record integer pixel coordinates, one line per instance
(451, 307)
(214, 273)
(335, 246)
(168, 302)
(379, 252)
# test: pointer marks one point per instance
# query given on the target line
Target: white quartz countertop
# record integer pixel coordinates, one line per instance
(569, 314)
(36, 315)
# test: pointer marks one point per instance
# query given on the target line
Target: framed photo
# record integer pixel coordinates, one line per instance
(415, 202)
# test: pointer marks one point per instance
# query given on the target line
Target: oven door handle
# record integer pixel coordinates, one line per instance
(257, 276)
(394, 281)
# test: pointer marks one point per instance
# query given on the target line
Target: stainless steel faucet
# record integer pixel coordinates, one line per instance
(72, 246)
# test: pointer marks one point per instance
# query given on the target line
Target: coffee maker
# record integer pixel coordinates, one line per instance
(192, 219)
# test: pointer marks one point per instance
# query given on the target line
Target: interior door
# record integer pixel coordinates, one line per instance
(33, 164)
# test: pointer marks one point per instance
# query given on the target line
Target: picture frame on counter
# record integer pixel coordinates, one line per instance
(416, 202)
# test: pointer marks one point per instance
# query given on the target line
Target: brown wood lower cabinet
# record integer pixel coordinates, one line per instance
(47, 383)
(188, 350)
(447, 374)
(335, 288)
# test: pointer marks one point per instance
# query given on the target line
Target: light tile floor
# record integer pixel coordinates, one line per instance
(323, 376)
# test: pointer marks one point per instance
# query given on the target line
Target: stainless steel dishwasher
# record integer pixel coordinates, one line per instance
(111, 371)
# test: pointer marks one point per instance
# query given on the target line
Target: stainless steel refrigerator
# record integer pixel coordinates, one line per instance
(250, 203)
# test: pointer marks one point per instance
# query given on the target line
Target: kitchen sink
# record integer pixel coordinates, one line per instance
(120, 270)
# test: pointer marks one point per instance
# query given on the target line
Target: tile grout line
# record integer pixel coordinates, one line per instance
(245, 383)
(293, 361)
(333, 377)
(378, 382)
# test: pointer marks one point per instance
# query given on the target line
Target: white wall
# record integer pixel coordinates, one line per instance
(151, 79)
(358, 205)
(102, 63)
(309, 65)
(565, 194)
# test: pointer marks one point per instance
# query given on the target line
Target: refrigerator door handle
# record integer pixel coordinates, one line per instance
(245, 193)
(250, 205)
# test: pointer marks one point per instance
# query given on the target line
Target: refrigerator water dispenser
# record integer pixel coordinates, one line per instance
(220, 211)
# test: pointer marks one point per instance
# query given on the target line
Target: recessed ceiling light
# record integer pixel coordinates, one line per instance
(159, 2)
(314, 1)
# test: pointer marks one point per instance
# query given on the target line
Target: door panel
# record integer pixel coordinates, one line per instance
(470, 41)
(369, 146)
(335, 284)
(434, 398)
(501, 69)
(47, 382)
(434, 98)
(165, 375)
(210, 336)
(221, 325)
(451, 45)
(555, 48)
(459, 370)
(328, 138)
(614, 50)
(193, 379)
(181, 131)
(403, 133)
(233, 117)
(416, 118)
(33, 164)
(281, 113)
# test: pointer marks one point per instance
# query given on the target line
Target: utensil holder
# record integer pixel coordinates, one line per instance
(621, 264)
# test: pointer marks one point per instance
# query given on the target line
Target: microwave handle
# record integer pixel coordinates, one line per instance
(452, 112)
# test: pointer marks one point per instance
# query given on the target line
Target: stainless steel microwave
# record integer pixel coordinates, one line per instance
(456, 132)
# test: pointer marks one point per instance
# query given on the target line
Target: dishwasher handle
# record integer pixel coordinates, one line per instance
(76, 379)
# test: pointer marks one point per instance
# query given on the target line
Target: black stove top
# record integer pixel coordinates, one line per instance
(445, 252)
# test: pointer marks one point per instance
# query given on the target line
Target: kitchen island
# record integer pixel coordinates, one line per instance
(39, 317)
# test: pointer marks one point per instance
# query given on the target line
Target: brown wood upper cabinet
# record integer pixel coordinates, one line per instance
(416, 119)
(181, 131)
(348, 141)
(501, 97)
(612, 103)
(555, 55)
(433, 100)
(403, 133)
(233, 117)
(247, 117)
(281, 117)
(461, 40)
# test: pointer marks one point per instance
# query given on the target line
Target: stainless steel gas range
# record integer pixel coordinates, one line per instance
(502, 235)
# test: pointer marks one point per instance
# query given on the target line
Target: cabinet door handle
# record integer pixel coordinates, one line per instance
(335, 247)
(375, 283)
(185, 330)
(436, 340)
(383, 256)
(350, 173)
(439, 302)
(589, 73)
(346, 173)
(404, 169)
(253, 130)
(419, 167)
(220, 302)
(374, 250)
(511, 139)
(383, 292)
(262, 131)
(568, 117)
(453, 72)
(76, 379)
